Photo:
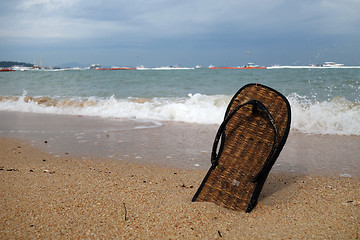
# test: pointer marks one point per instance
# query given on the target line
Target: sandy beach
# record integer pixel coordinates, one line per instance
(65, 177)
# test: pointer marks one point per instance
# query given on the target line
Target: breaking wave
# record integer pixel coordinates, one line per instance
(195, 108)
(337, 116)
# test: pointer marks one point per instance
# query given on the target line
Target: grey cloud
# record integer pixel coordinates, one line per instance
(231, 26)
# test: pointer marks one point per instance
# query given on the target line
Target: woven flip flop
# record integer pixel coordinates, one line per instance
(253, 133)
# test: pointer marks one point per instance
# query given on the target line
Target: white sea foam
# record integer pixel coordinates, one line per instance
(195, 108)
(337, 116)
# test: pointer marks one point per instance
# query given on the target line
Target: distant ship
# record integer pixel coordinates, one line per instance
(116, 68)
(248, 66)
(164, 68)
(325, 65)
(6, 70)
(333, 64)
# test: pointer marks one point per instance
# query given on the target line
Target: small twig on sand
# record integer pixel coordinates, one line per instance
(125, 212)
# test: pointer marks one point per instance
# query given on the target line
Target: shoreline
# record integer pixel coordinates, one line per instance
(171, 144)
(57, 197)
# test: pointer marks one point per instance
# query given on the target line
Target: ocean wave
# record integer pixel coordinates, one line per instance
(337, 116)
(196, 108)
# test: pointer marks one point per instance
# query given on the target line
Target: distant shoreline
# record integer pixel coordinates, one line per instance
(22, 66)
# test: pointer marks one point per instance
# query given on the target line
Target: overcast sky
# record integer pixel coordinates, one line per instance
(186, 32)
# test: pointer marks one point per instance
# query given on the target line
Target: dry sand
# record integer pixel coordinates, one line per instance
(44, 196)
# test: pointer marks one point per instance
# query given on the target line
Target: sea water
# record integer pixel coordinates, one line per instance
(323, 101)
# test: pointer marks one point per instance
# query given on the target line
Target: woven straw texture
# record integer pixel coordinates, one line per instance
(246, 144)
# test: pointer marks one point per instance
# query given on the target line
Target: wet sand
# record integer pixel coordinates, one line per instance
(169, 144)
(57, 183)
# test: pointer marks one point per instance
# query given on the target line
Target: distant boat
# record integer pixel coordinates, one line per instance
(21, 68)
(325, 65)
(94, 66)
(333, 64)
(253, 66)
(6, 70)
(142, 67)
(172, 68)
(116, 68)
(164, 68)
(248, 66)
